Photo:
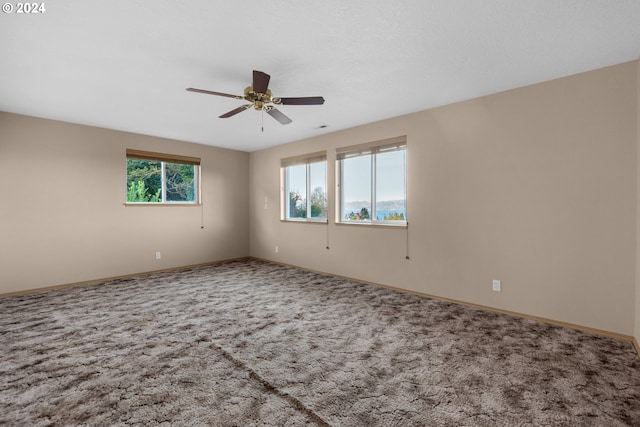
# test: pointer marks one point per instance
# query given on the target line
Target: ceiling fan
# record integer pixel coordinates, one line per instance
(260, 98)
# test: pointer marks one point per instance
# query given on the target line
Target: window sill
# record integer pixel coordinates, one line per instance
(402, 225)
(138, 204)
(305, 221)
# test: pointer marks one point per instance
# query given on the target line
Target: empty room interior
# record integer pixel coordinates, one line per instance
(320, 213)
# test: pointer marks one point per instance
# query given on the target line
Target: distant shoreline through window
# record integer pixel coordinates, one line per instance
(372, 184)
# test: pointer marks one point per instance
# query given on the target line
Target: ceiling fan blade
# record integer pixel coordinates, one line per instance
(209, 92)
(236, 111)
(260, 81)
(309, 100)
(279, 116)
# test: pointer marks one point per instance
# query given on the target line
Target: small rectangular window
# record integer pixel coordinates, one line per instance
(304, 188)
(162, 178)
(372, 183)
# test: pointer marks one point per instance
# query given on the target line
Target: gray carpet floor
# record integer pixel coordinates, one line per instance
(252, 343)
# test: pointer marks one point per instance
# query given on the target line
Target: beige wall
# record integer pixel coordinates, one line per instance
(534, 186)
(62, 213)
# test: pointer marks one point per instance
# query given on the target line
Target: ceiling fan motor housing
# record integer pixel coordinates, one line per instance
(259, 100)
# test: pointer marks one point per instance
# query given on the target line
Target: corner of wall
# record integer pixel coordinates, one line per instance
(636, 333)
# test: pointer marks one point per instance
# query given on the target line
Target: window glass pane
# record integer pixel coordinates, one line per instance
(180, 182)
(391, 203)
(356, 189)
(318, 188)
(296, 191)
(144, 180)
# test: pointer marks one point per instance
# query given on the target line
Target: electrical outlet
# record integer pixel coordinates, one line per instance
(276, 248)
(497, 285)
(158, 255)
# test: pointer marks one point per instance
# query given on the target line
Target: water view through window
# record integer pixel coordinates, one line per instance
(373, 187)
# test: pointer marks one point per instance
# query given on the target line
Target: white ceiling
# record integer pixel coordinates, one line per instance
(125, 64)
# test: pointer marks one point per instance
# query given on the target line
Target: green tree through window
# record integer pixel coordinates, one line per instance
(305, 188)
(144, 180)
(152, 180)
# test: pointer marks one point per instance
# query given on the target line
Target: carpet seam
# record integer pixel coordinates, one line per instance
(207, 346)
(270, 387)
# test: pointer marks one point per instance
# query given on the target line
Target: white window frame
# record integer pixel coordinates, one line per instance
(163, 159)
(369, 149)
(307, 160)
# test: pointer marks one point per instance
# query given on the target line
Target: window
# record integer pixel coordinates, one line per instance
(304, 188)
(162, 178)
(373, 183)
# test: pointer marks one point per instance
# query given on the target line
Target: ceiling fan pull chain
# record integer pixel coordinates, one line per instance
(262, 120)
